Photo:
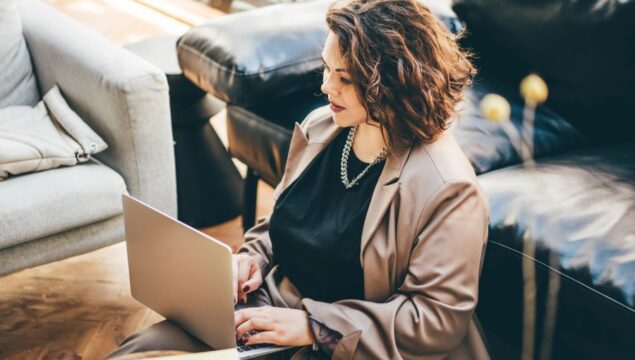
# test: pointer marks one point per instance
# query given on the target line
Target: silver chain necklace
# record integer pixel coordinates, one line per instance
(344, 161)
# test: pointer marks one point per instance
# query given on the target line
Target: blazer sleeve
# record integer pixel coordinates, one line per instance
(258, 245)
(429, 314)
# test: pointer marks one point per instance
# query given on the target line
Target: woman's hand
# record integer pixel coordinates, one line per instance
(278, 326)
(247, 276)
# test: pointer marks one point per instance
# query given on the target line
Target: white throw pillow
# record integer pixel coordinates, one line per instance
(43, 137)
(17, 82)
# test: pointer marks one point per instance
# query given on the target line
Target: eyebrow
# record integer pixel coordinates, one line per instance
(337, 70)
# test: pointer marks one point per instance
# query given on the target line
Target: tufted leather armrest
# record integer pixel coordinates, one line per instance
(256, 56)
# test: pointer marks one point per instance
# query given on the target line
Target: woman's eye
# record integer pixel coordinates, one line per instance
(326, 70)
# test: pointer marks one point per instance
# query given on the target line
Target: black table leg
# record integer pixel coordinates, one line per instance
(250, 195)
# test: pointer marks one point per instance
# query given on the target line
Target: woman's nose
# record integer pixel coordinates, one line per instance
(328, 87)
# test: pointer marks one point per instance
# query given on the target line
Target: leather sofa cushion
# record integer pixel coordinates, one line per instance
(485, 143)
(575, 270)
(579, 208)
(50, 202)
(583, 49)
(260, 135)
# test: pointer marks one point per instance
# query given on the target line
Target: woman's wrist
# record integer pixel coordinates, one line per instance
(324, 338)
(309, 339)
(313, 344)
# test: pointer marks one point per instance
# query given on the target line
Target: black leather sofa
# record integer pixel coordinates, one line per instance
(558, 279)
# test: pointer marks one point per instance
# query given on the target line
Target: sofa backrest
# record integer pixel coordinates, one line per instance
(17, 82)
(584, 50)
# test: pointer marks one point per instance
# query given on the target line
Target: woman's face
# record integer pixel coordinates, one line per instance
(337, 83)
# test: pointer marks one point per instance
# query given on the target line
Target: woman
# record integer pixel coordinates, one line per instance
(374, 246)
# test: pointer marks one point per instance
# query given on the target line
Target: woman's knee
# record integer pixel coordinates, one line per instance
(164, 335)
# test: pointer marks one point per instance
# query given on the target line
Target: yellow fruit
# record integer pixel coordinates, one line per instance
(495, 108)
(533, 89)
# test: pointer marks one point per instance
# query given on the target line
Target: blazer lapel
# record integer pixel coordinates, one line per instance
(385, 191)
(307, 144)
(305, 147)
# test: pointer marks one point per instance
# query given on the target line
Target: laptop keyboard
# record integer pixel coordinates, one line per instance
(242, 347)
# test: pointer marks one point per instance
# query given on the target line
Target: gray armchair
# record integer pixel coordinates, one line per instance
(54, 214)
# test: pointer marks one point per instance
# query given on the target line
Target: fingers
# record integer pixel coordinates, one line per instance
(250, 319)
(275, 325)
(243, 315)
(243, 271)
(253, 324)
(248, 276)
(235, 282)
(265, 337)
(254, 281)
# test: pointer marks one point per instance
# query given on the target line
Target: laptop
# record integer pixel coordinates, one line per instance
(185, 276)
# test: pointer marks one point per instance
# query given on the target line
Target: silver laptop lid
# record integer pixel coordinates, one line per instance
(180, 273)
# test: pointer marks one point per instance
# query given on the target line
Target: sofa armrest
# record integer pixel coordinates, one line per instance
(121, 96)
(259, 55)
(256, 55)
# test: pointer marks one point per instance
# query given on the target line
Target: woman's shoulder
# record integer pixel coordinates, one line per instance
(321, 115)
(432, 166)
(318, 125)
(438, 173)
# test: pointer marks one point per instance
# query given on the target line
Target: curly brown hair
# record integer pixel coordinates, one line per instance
(408, 69)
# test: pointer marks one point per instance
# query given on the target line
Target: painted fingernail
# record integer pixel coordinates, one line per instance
(245, 288)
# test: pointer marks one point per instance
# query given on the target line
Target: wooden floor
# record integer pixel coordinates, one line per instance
(80, 308)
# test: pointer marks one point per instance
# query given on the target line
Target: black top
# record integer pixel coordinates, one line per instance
(316, 226)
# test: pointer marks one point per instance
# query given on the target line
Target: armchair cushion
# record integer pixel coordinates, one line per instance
(17, 83)
(120, 96)
(53, 201)
(43, 137)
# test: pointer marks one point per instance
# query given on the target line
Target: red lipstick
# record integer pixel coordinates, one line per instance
(336, 108)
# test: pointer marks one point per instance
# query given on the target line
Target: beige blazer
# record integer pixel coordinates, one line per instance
(421, 251)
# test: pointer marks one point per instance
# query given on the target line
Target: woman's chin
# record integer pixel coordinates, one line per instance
(342, 121)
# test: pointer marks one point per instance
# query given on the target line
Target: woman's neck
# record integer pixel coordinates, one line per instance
(368, 142)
